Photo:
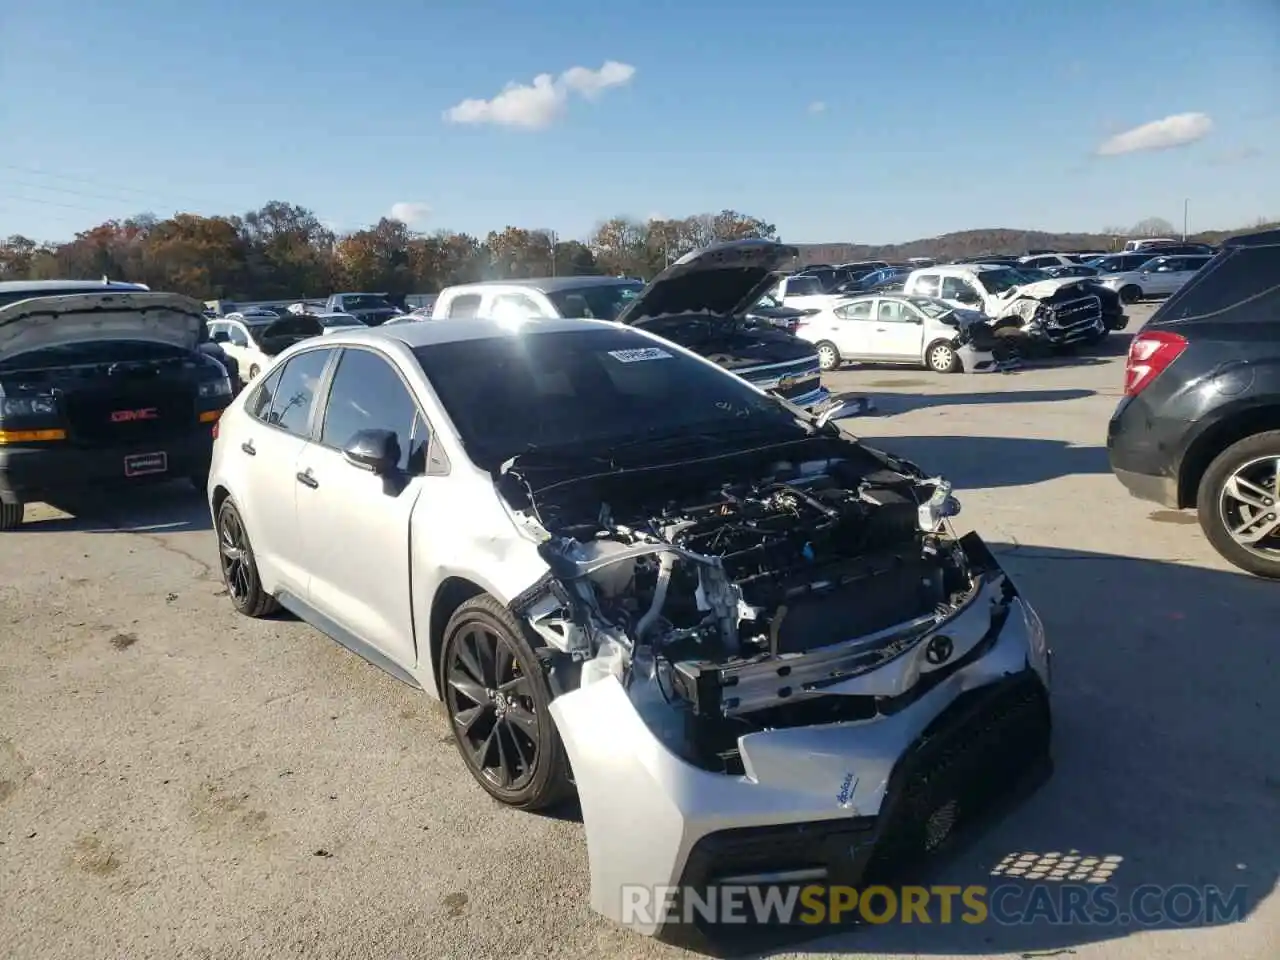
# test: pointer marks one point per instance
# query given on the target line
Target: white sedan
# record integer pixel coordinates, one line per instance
(253, 340)
(920, 331)
(712, 620)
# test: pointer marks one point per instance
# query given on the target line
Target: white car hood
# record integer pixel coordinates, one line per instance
(167, 318)
(1040, 289)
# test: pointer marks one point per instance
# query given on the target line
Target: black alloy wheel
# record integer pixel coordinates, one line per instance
(239, 569)
(498, 703)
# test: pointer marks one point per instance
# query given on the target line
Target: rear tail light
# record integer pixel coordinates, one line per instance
(1150, 354)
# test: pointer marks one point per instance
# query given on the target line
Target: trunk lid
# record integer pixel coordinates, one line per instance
(39, 322)
(722, 280)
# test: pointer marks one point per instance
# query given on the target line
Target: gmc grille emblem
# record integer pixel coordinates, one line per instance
(127, 416)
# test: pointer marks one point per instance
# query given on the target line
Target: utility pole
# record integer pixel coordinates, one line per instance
(551, 238)
(1186, 204)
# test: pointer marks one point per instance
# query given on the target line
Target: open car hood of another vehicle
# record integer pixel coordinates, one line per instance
(293, 325)
(167, 318)
(724, 280)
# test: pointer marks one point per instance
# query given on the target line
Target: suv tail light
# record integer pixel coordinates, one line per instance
(1150, 354)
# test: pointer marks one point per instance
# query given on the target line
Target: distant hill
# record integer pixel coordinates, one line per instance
(972, 243)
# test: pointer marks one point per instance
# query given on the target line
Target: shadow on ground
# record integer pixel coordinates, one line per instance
(155, 508)
(982, 462)
(889, 404)
(1163, 682)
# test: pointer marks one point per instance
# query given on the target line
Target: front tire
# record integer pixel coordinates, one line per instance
(499, 708)
(941, 357)
(828, 356)
(1131, 293)
(11, 515)
(239, 567)
(1239, 504)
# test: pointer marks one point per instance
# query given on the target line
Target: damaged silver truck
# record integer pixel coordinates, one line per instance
(753, 646)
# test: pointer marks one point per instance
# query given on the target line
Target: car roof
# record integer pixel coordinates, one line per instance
(553, 284)
(1264, 238)
(53, 286)
(456, 329)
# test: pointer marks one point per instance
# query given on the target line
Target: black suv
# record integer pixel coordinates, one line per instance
(1199, 425)
(101, 384)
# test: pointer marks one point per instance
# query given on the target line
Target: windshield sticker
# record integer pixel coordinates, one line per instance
(637, 355)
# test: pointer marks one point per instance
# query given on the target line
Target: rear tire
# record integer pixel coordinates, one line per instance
(11, 515)
(828, 356)
(239, 567)
(1130, 294)
(1251, 460)
(941, 357)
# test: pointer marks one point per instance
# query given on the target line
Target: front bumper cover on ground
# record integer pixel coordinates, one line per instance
(836, 798)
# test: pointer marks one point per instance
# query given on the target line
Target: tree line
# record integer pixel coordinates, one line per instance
(284, 250)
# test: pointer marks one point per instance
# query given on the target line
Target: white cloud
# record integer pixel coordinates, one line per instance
(410, 213)
(591, 83)
(1175, 131)
(817, 107)
(538, 105)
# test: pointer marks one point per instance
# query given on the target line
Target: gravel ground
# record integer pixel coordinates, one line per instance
(178, 781)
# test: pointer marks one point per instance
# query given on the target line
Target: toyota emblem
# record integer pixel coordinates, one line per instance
(939, 650)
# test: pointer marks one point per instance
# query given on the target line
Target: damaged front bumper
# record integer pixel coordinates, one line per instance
(976, 360)
(961, 713)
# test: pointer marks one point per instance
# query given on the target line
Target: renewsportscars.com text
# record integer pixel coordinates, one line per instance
(1007, 904)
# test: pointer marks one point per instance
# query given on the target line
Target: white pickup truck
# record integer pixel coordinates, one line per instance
(1057, 312)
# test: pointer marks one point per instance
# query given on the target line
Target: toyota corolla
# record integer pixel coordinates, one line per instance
(750, 644)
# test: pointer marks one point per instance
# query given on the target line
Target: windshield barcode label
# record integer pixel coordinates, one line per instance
(643, 353)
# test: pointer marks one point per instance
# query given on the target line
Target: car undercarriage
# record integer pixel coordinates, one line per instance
(769, 641)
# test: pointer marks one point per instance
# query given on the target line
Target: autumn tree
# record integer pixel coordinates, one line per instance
(378, 258)
(516, 252)
(17, 255)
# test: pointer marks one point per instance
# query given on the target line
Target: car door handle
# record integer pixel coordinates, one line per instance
(248, 448)
(306, 479)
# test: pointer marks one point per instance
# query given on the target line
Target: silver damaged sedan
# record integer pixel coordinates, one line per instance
(750, 644)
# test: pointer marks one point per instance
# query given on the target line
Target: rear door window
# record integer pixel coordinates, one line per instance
(258, 405)
(1243, 284)
(296, 392)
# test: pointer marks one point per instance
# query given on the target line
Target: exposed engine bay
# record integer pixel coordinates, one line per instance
(741, 607)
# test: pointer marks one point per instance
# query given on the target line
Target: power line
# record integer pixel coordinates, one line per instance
(119, 188)
(48, 203)
(73, 193)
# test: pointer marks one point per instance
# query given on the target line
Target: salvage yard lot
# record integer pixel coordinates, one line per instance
(176, 780)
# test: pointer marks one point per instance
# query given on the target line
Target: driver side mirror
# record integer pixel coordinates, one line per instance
(221, 337)
(377, 451)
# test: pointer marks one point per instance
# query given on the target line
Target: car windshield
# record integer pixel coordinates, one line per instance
(365, 301)
(600, 301)
(930, 307)
(589, 391)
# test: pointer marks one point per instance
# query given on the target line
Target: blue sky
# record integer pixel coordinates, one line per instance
(870, 122)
